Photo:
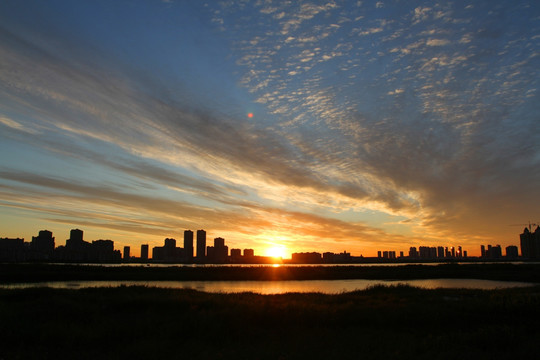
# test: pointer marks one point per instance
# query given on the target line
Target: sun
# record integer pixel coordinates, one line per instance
(276, 252)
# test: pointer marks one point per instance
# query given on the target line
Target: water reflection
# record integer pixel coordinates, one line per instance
(396, 264)
(281, 287)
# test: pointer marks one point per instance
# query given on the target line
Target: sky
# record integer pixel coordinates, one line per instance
(281, 126)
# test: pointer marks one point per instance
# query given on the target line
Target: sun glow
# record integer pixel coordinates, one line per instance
(276, 252)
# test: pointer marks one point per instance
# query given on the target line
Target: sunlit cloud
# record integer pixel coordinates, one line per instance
(413, 110)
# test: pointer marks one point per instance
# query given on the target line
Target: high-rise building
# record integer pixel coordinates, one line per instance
(103, 251)
(218, 253)
(43, 244)
(127, 251)
(530, 243)
(76, 235)
(170, 243)
(492, 252)
(144, 252)
(188, 244)
(512, 252)
(219, 242)
(12, 249)
(201, 244)
(440, 252)
(76, 247)
(168, 252)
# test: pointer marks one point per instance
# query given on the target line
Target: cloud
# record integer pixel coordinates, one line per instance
(107, 208)
(458, 143)
(437, 42)
(395, 92)
(15, 125)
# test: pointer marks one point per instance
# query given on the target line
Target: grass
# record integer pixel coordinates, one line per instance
(377, 323)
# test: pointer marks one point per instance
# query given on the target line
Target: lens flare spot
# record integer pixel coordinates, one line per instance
(250, 115)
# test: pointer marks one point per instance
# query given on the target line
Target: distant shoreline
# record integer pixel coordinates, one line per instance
(36, 272)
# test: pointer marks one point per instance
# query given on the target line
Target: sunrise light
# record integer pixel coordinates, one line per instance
(276, 252)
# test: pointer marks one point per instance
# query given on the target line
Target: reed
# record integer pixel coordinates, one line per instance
(380, 322)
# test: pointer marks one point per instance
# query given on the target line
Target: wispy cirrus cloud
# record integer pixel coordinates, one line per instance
(413, 110)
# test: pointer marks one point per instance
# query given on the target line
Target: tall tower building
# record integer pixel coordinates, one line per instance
(188, 244)
(127, 254)
(144, 252)
(530, 243)
(201, 244)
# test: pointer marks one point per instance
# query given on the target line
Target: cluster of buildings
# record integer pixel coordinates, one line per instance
(425, 253)
(318, 258)
(529, 243)
(195, 250)
(495, 252)
(198, 252)
(42, 248)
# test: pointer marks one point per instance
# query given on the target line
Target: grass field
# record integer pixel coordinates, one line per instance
(378, 323)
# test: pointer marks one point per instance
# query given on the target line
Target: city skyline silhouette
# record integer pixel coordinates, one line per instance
(43, 247)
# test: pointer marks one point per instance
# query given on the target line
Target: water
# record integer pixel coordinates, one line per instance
(397, 264)
(281, 287)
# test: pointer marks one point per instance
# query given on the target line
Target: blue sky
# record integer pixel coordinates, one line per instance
(377, 125)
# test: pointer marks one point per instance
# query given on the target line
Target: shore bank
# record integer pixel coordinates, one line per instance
(34, 272)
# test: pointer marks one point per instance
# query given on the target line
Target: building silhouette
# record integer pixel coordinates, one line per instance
(492, 252)
(127, 251)
(330, 257)
(42, 246)
(530, 243)
(75, 237)
(12, 250)
(512, 252)
(306, 258)
(218, 253)
(236, 256)
(168, 252)
(103, 251)
(76, 248)
(201, 245)
(188, 245)
(144, 252)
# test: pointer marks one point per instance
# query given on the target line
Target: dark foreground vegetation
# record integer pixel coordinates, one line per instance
(14, 273)
(379, 323)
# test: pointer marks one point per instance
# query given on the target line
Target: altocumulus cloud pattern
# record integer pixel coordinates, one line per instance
(372, 123)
